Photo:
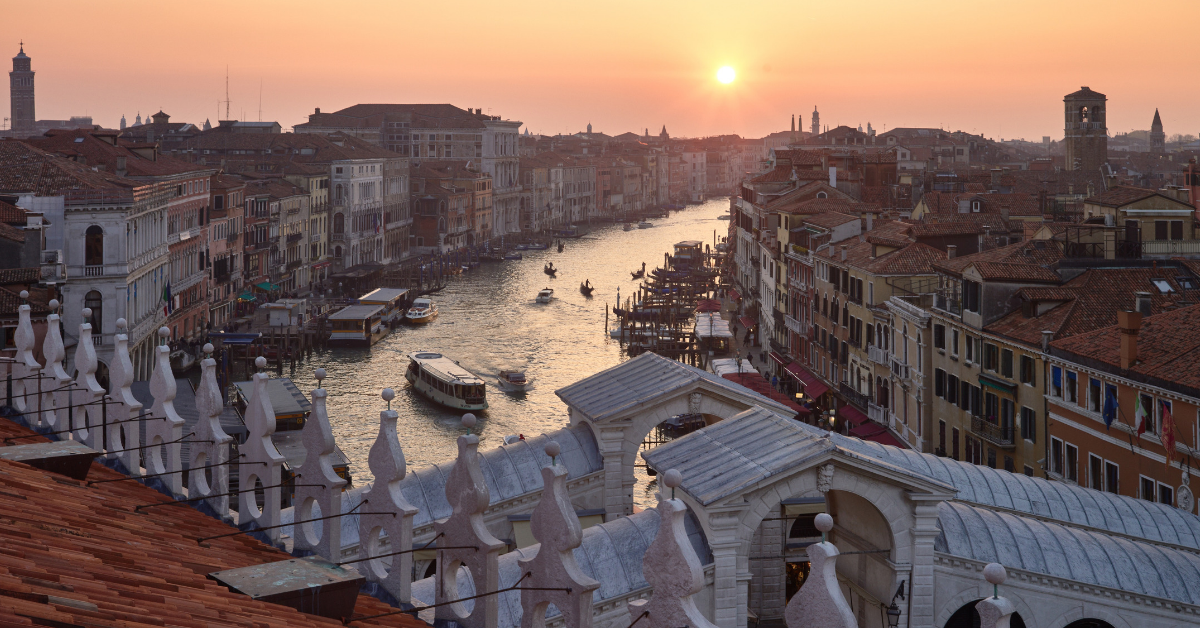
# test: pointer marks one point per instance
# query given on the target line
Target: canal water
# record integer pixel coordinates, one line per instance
(488, 321)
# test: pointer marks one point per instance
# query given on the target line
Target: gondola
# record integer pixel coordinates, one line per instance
(549, 269)
(639, 274)
(586, 288)
(560, 246)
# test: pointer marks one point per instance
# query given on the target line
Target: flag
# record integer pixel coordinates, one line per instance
(166, 297)
(1167, 431)
(1140, 417)
(1110, 406)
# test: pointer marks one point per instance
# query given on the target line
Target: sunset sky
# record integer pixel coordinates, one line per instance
(994, 67)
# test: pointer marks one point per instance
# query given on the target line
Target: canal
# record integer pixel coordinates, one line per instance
(489, 321)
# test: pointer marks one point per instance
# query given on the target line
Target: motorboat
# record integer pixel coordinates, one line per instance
(586, 288)
(512, 256)
(545, 294)
(422, 311)
(521, 247)
(628, 227)
(445, 381)
(538, 246)
(724, 217)
(645, 224)
(513, 381)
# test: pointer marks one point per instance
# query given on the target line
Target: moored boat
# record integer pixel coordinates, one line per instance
(392, 300)
(645, 224)
(538, 246)
(357, 326)
(422, 311)
(445, 381)
(512, 256)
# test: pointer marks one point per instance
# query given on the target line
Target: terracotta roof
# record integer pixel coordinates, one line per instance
(1036, 253)
(12, 214)
(929, 230)
(76, 555)
(1085, 92)
(9, 232)
(276, 188)
(1007, 271)
(890, 233)
(99, 152)
(27, 169)
(10, 300)
(1168, 347)
(22, 276)
(828, 220)
(419, 116)
(914, 259)
(1121, 195)
(778, 174)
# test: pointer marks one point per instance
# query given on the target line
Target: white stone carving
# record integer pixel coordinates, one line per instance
(26, 367)
(211, 446)
(694, 400)
(87, 415)
(386, 461)
(323, 538)
(163, 435)
(825, 478)
(124, 437)
(1184, 498)
(672, 569)
(260, 462)
(820, 601)
(54, 383)
(469, 498)
(995, 611)
(556, 527)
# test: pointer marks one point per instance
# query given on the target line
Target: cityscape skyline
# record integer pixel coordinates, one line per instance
(961, 80)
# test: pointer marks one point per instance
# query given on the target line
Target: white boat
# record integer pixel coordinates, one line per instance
(645, 224)
(446, 382)
(513, 381)
(545, 294)
(422, 311)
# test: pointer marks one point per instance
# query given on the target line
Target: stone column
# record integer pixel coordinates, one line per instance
(729, 596)
(921, 588)
(612, 450)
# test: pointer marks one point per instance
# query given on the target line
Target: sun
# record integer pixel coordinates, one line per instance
(726, 74)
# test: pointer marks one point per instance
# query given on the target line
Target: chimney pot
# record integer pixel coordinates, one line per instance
(951, 250)
(1142, 303)
(318, 110)
(1129, 323)
(1047, 336)
(843, 252)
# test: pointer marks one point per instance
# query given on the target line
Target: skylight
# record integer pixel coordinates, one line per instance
(1162, 285)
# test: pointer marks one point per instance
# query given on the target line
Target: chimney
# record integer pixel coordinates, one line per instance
(870, 221)
(996, 172)
(833, 176)
(951, 250)
(1004, 211)
(843, 252)
(318, 110)
(1142, 303)
(1129, 323)
(121, 166)
(1047, 336)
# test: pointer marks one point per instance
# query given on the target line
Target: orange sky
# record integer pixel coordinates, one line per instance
(994, 67)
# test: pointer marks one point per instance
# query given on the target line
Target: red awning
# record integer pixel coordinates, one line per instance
(708, 305)
(759, 384)
(747, 322)
(853, 415)
(877, 433)
(813, 387)
(735, 295)
(778, 358)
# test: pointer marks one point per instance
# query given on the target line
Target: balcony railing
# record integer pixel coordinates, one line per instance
(994, 433)
(878, 355)
(862, 400)
(948, 303)
(900, 369)
(337, 237)
(93, 271)
(295, 237)
(878, 414)
(778, 347)
(1171, 247)
(792, 324)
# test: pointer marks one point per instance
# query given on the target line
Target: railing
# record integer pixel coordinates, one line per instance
(98, 340)
(337, 237)
(233, 237)
(900, 369)
(948, 304)
(294, 265)
(1171, 247)
(862, 400)
(877, 355)
(295, 237)
(315, 238)
(792, 324)
(878, 414)
(778, 347)
(994, 433)
(93, 271)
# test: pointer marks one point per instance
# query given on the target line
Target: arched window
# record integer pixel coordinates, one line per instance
(95, 301)
(339, 222)
(822, 195)
(93, 246)
(1083, 114)
(337, 192)
(337, 252)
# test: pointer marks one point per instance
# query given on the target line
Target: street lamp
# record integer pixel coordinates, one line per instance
(893, 611)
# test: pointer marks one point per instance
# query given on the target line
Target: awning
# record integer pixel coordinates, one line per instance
(877, 433)
(853, 415)
(319, 265)
(735, 295)
(747, 322)
(266, 286)
(708, 305)
(999, 385)
(778, 358)
(813, 386)
(246, 296)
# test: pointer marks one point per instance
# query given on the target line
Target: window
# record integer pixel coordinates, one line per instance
(954, 443)
(1148, 412)
(954, 342)
(1166, 495)
(970, 296)
(1095, 472)
(1071, 392)
(1093, 399)
(991, 458)
(93, 246)
(1072, 470)
(939, 383)
(1112, 482)
(970, 349)
(1056, 382)
(951, 389)
(1027, 370)
(990, 357)
(1148, 489)
(942, 436)
(1009, 464)
(1161, 410)
(1029, 424)
(964, 397)
(939, 336)
(1006, 363)
(1057, 460)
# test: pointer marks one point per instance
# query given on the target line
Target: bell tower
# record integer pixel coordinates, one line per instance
(20, 84)
(816, 122)
(1158, 139)
(1086, 134)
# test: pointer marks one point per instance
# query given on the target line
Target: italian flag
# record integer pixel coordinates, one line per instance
(1140, 417)
(1167, 433)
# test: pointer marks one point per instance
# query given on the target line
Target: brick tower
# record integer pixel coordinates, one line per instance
(21, 89)
(1086, 134)
(1158, 139)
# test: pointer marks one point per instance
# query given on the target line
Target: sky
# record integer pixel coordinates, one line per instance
(999, 68)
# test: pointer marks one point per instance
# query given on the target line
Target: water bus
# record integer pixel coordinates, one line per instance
(446, 382)
(357, 326)
(392, 300)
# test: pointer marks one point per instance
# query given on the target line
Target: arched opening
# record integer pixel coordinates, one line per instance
(822, 195)
(95, 301)
(339, 222)
(1083, 114)
(337, 192)
(93, 246)
(968, 617)
(1082, 623)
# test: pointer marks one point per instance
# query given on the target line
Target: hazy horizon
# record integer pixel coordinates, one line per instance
(999, 69)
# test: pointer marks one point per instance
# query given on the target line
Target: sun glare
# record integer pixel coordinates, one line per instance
(726, 75)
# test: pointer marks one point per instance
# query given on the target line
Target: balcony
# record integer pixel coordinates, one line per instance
(778, 315)
(878, 414)
(792, 324)
(294, 265)
(948, 303)
(338, 237)
(994, 433)
(848, 393)
(294, 237)
(900, 369)
(1170, 248)
(778, 347)
(233, 238)
(93, 271)
(877, 355)
(314, 238)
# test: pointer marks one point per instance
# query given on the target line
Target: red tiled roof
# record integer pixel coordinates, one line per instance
(931, 230)
(22, 276)
(9, 232)
(914, 259)
(12, 214)
(1035, 252)
(828, 220)
(26, 169)
(1122, 195)
(99, 152)
(1006, 271)
(76, 555)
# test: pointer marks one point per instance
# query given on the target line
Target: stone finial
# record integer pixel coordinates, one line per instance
(260, 463)
(673, 570)
(557, 529)
(319, 446)
(211, 446)
(163, 449)
(469, 498)
(25, 365)
(820, 601)
(88, 419)
(469, 421)
(386, 461)
(55, 399)
(995, 611)
(127, 435)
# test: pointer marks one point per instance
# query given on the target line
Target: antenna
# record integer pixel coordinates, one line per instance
(226, 95)
(260, 99)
